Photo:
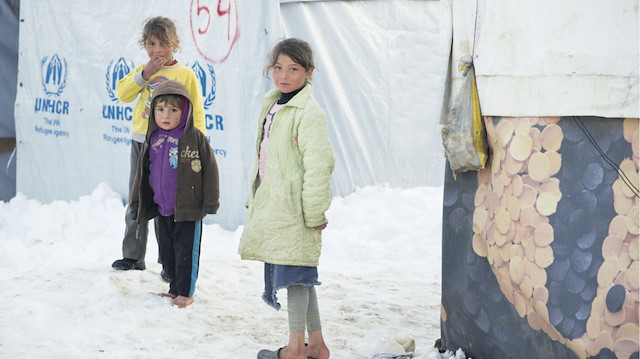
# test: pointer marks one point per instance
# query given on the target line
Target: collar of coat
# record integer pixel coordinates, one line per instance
(299, 100)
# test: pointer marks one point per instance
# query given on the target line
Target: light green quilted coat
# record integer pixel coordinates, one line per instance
(295, 192)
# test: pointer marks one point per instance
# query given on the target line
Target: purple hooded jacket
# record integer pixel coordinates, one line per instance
(163, 154)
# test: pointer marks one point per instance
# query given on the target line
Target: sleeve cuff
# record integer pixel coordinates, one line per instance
(139, 80)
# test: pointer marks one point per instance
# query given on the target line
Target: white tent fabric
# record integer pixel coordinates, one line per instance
(551, 58)
(381, 73)
(72, 131)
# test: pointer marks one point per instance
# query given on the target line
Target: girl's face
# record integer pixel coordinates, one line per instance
(155, 50)
(288, 75)
(167, 116)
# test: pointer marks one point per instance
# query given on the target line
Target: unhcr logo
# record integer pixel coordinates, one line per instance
(115, 72)
(207, 78)
(54, 74)
(54, 79)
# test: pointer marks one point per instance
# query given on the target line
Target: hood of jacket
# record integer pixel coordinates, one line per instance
(172, 87)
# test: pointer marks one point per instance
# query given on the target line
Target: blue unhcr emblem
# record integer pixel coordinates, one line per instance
(114, 74)
(207, 83)
(54, 74)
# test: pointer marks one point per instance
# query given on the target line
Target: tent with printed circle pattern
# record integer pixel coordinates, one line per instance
(540, 247)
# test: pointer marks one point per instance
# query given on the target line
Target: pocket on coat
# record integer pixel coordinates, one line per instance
(197, 193)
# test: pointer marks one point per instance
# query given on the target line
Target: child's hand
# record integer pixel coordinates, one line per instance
(322, 226)
(154, 65)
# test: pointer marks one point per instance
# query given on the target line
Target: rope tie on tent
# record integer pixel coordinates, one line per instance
(621, 174)
(475, 27)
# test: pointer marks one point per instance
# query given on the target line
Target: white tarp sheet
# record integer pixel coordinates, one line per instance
(552, 58)
(72, 131)
(381, 73)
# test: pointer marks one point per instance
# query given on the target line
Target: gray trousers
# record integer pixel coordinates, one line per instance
(134, 244)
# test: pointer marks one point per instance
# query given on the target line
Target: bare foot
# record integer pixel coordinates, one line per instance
(169, 295)
(317, 348)
(181, 301)
(318, 353)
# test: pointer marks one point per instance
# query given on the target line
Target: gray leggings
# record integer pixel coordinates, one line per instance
(302, 304)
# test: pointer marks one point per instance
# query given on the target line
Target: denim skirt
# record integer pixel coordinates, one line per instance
(278, 276)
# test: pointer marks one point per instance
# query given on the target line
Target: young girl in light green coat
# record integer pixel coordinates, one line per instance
(289, 196)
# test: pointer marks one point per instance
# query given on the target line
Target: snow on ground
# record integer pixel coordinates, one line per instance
(380, 273)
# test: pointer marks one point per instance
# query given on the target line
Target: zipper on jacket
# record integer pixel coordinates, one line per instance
(175, 203)
(163, 163)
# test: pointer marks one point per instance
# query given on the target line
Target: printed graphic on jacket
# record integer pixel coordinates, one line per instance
(193, 156)
(173, 157)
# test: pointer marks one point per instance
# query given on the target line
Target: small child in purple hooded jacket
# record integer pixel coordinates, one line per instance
(176, 181)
